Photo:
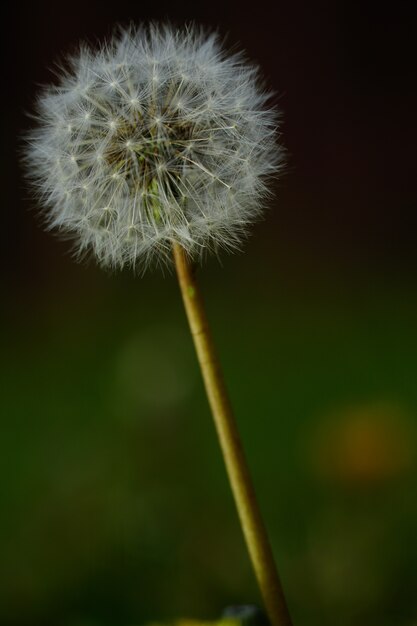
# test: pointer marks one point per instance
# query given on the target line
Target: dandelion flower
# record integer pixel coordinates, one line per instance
(160, 145)
(158, 137)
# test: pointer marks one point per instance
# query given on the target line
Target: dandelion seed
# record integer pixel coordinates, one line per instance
(177, 99)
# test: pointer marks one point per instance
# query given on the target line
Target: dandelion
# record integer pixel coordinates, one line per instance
(160, 146)
(159, 137)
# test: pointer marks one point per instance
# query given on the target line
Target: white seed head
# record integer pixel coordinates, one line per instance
(158, 137)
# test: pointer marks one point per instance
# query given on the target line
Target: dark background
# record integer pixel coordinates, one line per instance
(116, 505)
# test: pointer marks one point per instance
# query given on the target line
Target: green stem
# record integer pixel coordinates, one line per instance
(240, 481)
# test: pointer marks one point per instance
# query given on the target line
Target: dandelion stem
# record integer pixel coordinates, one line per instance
(241, 484)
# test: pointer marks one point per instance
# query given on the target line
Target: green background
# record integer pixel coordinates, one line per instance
(117, 505)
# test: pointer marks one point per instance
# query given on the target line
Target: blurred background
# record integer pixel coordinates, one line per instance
(115, 505)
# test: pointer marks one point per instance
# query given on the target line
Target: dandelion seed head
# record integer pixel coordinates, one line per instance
(159, 136)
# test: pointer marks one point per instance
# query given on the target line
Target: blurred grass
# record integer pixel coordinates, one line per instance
(116, 505)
